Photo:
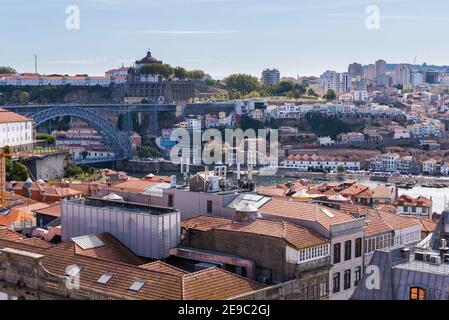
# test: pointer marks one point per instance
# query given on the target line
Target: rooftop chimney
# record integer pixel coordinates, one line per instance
(443, 249)
(405, 253)
(246, 213)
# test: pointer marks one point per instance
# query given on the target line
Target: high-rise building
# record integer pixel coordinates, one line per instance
(381, 73)
(402, 75)
(344, 82)
(369, 72)
(330, 80)
(271, 76)
(432, 77)
(417, 78)
(355, 70)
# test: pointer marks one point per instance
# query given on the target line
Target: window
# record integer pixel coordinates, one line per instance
(357, 275)
(358, 247)
(305, 291)
(170, 200)
(417, 293)
(348, 253)
(137, 285)
(104, 278)
(336, 283)
(337, 249)
(347, 279)
(73, 271)
(314, 291)
(209, 206)
(323, 287)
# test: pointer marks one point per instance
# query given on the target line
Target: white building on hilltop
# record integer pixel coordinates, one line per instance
(15, 130)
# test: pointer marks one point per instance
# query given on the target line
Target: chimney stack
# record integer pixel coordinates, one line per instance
(246, 213)
(405, 253)
(443, 249)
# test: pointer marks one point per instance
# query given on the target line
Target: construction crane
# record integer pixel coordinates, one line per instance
(3, 157)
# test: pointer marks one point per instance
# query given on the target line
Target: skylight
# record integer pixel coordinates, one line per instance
(328, 213)
(137, 285)
(88, 242)
(104, 278)
(73, 271)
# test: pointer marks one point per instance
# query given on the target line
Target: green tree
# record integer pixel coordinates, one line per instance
(283, 87)
(247, 122)
(164, 70)
(330, 95)
(147, 152)
(300, 89)
(47, 137)
(323, 125)
(341, 169)
(195, 74)
(72, 170)
(19, 172)
(7, 70)
(180, 73)
(311, 92)
(24, 97)
(253, 94)
(242, 83)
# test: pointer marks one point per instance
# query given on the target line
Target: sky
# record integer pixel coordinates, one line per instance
(221, 37)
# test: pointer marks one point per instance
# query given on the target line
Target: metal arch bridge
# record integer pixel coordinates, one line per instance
(152, 109)
(119, 141)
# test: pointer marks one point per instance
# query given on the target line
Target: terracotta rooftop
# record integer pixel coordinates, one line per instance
(209, 284)
(272, 191)
(15, 215)
(163, 267)
(111, 250)
(52, 211)
(297, 237)
(408, 201)
(8, 117)
(290, 209)
(354, 190)
(139, 186)
(204, 223)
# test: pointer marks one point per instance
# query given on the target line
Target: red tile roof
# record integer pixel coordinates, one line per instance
(408, 201)
(111, 250)
(163, 267)
(209, 284)
(8, 117)
(52, 211)
(204, 223)
(282, 209)
(297, 237)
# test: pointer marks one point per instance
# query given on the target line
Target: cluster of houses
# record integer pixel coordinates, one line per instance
(288, 241)
(32, 79)
(410, 164)
(292, 111)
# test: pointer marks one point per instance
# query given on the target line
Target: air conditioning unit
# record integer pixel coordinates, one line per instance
(262, 279)
(433, 259)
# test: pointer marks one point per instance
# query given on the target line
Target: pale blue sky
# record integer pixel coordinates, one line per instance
(304, 37)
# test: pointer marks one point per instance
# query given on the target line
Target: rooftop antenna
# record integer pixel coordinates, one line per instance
(250, 174)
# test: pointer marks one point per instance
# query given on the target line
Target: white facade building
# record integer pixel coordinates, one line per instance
(15, 130)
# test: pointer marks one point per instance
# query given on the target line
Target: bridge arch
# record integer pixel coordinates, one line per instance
(119, 141)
